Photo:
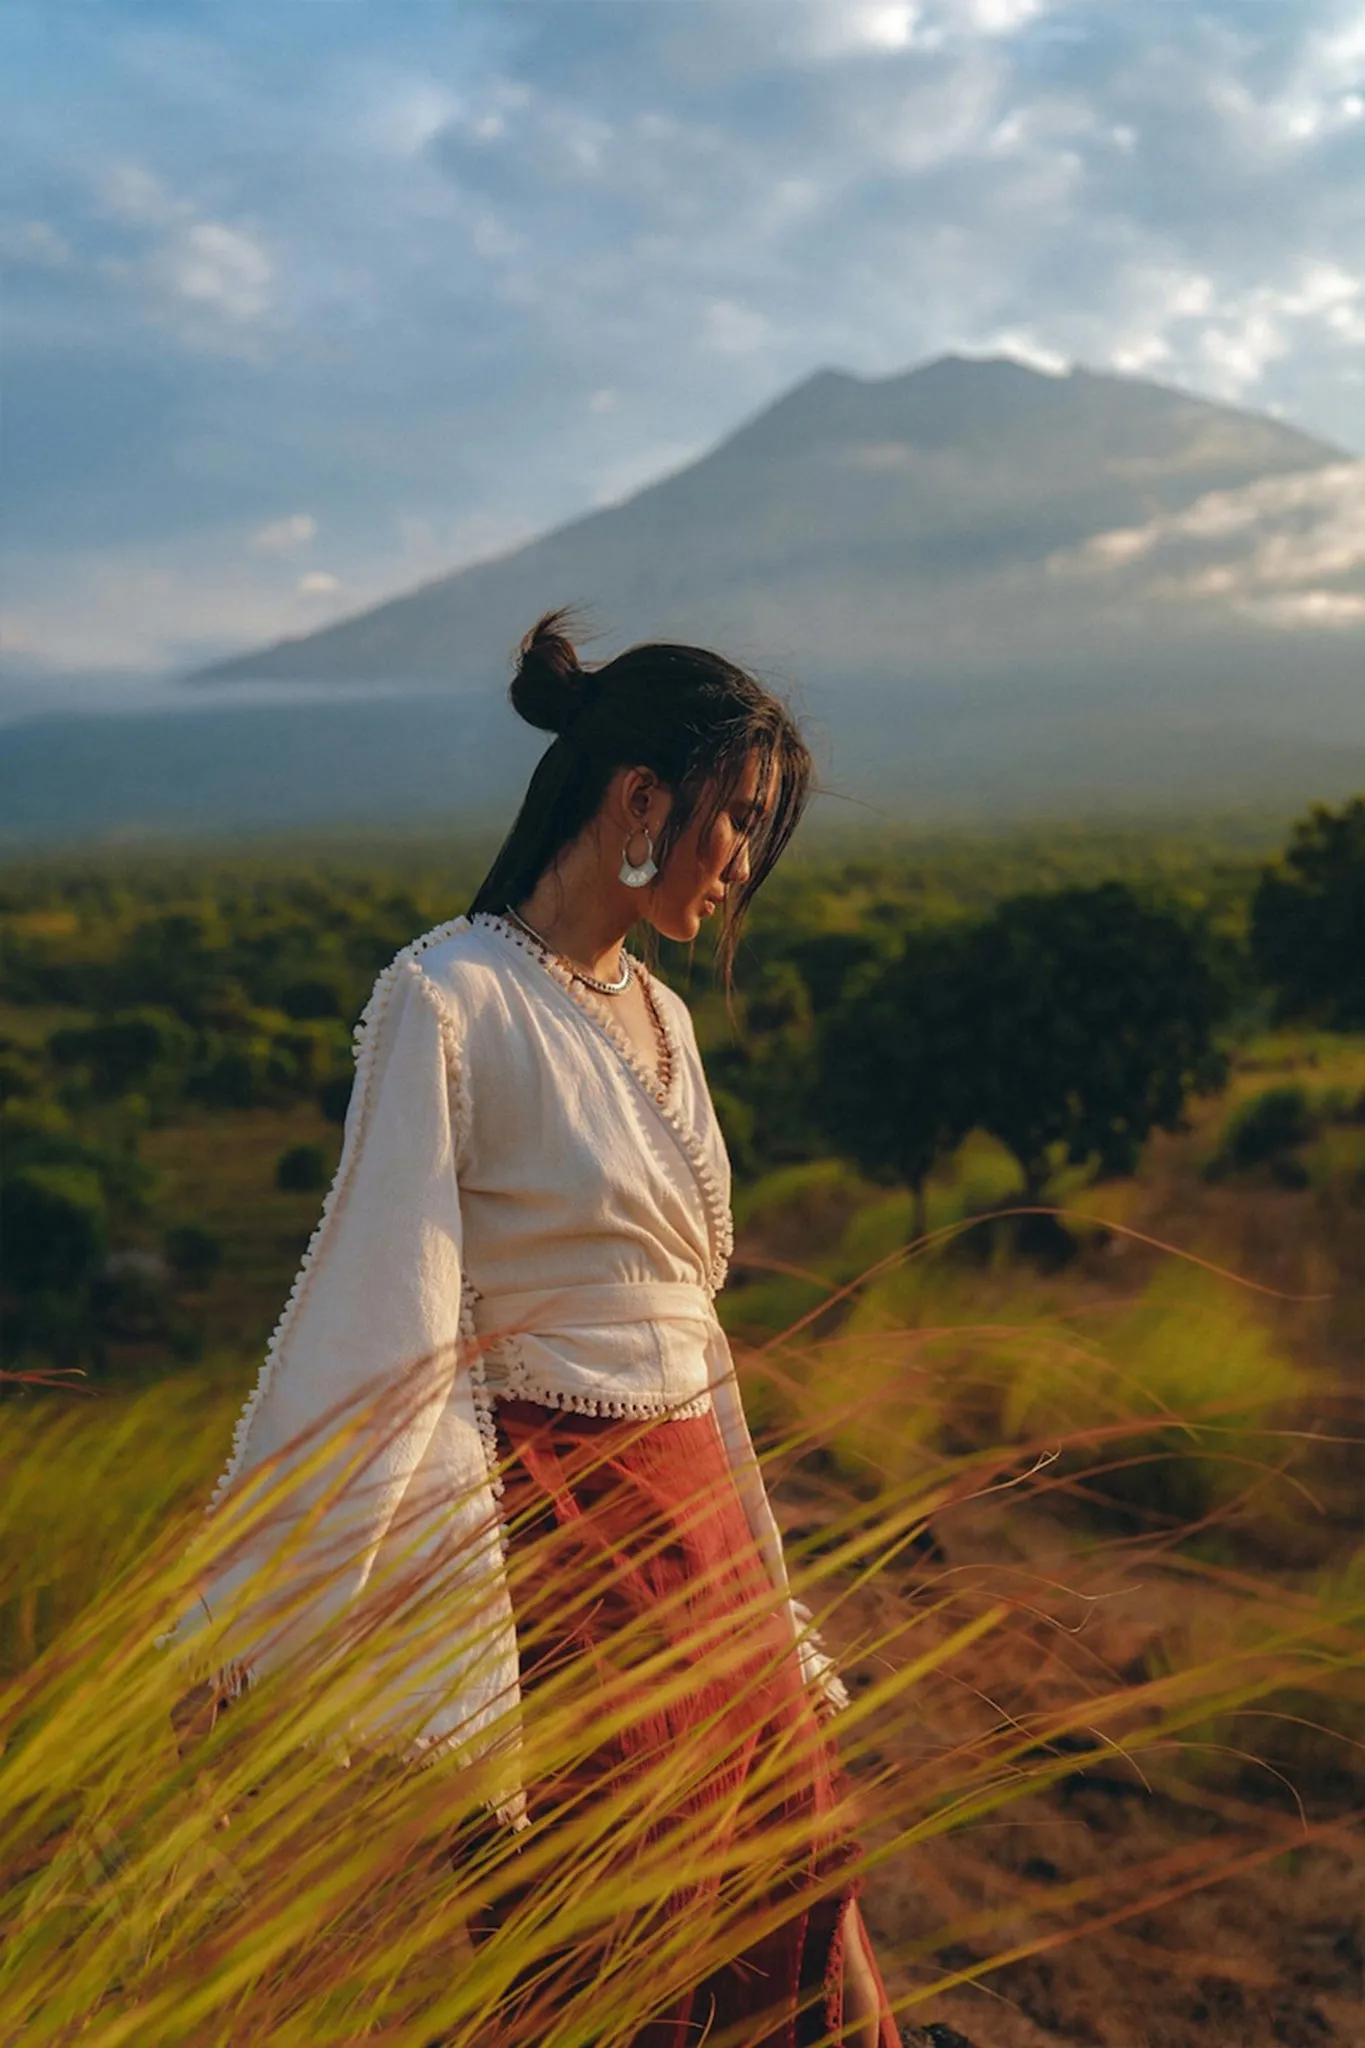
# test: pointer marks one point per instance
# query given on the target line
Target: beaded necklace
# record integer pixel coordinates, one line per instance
(607, 988)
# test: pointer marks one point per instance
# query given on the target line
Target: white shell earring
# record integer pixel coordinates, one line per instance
(635, 874)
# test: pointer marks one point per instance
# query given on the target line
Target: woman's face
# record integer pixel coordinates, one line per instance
(708, 860)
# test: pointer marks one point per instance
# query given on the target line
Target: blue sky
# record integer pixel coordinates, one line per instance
(309, 300)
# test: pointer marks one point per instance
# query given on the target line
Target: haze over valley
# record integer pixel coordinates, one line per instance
(991, 590)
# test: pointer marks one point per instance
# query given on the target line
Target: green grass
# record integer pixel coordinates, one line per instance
(1063, 1526)
(321, 1911)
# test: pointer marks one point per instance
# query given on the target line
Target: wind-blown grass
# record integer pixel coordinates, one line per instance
(258, 1889)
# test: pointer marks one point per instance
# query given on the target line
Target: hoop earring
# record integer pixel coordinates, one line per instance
(635, 874)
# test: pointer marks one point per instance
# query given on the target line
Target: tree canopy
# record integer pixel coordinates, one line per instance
(1094, 1019)
(1079, 1020)
(1308, 919)
(896, 1065)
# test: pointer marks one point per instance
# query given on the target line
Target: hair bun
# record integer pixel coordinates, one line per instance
(549, 687)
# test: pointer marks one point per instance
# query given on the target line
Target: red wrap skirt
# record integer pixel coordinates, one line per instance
(628, 1541)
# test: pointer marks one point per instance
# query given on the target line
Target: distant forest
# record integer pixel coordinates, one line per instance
(175, 1034)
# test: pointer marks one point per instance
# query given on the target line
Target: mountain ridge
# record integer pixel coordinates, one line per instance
(711, 541)
(987, 591)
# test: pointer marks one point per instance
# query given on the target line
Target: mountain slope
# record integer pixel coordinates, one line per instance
(914, 529)
(989, 592)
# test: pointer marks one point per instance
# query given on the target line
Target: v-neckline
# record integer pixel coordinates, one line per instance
(666, 1100)
(664, 1093)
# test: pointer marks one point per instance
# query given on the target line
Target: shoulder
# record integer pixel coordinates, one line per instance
(458, 964)
(451, 970)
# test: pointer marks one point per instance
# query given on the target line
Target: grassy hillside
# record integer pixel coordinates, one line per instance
(1076, 1494)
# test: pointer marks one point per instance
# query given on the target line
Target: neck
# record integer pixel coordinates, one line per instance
(578, 910)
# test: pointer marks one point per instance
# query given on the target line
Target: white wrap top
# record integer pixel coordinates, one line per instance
(520, 1208)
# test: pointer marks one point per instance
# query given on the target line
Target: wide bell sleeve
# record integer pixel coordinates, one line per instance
(372, 1361)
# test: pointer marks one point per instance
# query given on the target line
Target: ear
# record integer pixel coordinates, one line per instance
(644, 800)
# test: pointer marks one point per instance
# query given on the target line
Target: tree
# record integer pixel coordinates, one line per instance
(54, 1236)
(895, 1063)
(767, 1069)
(825, 960)
(54, 1226)
(301, 1170)
(1094, 1019)
(1308, 919)
(125, 1050)
(193, 1253)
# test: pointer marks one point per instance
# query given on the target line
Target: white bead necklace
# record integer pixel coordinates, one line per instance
(606, 988)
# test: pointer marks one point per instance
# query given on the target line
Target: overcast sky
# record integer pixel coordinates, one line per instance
(308, 300)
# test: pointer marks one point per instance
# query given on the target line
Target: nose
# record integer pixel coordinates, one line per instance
(737, 869)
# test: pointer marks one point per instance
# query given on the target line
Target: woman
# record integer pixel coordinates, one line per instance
(533, 1193)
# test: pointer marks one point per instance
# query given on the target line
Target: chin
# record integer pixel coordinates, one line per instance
(680, 926)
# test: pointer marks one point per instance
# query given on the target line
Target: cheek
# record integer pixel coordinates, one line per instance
(696, 866)
(718, 854)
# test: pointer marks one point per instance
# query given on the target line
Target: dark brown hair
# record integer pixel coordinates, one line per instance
(691, 716)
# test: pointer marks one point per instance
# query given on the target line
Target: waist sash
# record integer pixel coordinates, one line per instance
(544, 1311)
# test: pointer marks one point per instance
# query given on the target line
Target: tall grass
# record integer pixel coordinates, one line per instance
(283, 1881)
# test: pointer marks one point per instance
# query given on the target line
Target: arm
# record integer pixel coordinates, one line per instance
(826, 1686)
(371, 1339)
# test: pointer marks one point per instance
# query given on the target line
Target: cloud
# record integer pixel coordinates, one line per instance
(832, 29)
(1003, 17)
(34, 242)
(284, 536)
(220, 268)
(619, 479)
(1025, 348)
(153, 608)
(402, 119)
(733, 330)
(1329, 608)
(1285, 549)
(133, 193)
(388, 265)
(18, 635)
(1325, 89)
(157, 605)
(212, 279)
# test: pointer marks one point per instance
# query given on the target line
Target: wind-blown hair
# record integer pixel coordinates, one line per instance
(691, 716)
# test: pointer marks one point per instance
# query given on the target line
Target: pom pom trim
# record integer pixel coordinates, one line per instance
(365, 1047)
(720, 1226)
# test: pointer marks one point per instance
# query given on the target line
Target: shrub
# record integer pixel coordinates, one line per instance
(18, 1070)
(1308, 919)
(129, 1303)
(194, 1253)
(1168, 1410)
(237, 1077)
(53, 1228)
(809, 1202)
(1200, 1362)
(1265, 1129)
(310, 999)
(301, 1170)
(124, 1051)
(334, 1097)
(736, 1118)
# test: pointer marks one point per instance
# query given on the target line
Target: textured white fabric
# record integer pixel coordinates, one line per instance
(502, 1132)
